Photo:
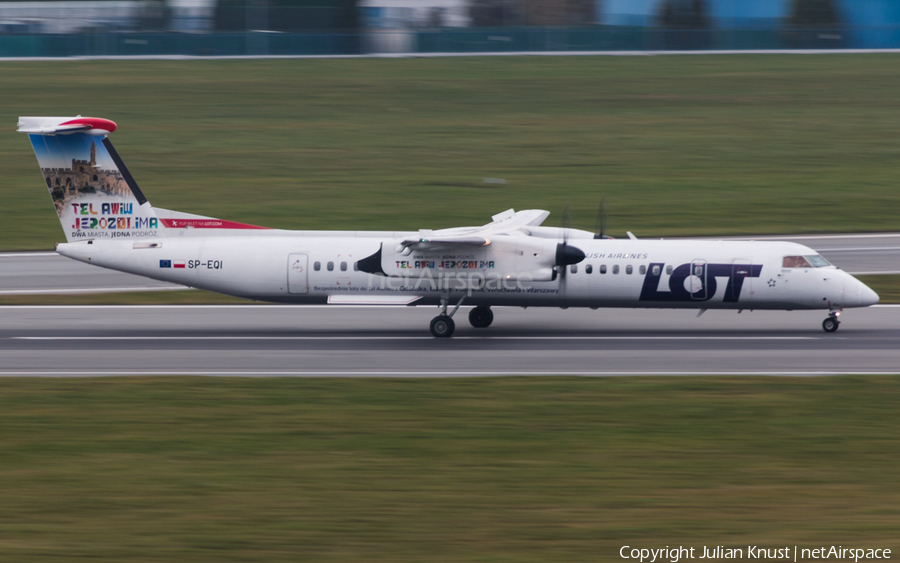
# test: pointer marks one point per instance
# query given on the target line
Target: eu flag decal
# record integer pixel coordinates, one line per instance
(165, 263)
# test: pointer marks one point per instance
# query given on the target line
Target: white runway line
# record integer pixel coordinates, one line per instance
(438, 374)
(881, 273)
(28, 254)
(81, 290)
(187, 337)
(859, 249)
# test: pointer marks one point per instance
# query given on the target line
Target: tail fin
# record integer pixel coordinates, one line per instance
(94, 194)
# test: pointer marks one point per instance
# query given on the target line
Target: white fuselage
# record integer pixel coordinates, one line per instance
(305, 267)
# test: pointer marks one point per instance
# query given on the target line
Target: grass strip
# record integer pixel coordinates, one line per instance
(744, 144)
(502, 469)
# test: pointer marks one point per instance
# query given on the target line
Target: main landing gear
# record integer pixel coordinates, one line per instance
(831, 323)
(481, 317)
(442, 326)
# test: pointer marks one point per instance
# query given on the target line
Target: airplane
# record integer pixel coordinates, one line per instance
(511, 261)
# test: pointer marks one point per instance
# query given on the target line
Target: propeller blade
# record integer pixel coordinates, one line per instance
(602, 218)
(566, 222)
(561, 248)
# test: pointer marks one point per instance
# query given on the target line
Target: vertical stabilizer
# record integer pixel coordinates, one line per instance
(94, 194)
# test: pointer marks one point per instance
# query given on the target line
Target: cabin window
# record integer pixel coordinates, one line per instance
(588, 269)
(317, 266)
(602, 268)
(655, 270)
(629, 269)
(698, 270)
(330, 266)
(343, 266)
(356, 266)
(573, 268)
(643, 270)
(795, 262)
(669, 270)
(615, 268)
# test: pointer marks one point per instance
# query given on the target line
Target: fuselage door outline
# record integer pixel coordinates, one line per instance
(298, 277)
(698, 279)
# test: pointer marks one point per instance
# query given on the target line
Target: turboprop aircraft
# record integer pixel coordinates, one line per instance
(512, 260)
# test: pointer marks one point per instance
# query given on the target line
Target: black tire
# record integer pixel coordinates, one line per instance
(830, 324)
(442, 326)
(481, 317)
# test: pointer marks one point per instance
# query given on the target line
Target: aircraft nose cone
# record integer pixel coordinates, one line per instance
(867, 297)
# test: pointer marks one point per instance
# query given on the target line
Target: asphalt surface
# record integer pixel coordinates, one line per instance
(265, 340)
(23, 273)
(35, 273)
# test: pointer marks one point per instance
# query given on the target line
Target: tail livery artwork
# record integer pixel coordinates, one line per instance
(512, 260)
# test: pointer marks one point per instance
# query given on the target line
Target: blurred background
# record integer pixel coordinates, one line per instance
(341, 27)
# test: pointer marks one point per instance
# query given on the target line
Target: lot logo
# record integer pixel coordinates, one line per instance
(703, 284)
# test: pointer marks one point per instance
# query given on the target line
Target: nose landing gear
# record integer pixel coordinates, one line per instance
(442, 326)
(831, 323)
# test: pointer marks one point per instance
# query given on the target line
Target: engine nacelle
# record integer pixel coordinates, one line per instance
(513, 258)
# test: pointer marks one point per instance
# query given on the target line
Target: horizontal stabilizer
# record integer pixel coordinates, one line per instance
(95, 126)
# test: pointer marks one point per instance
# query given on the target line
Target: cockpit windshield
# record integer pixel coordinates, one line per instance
(817, 261)
(811, 261)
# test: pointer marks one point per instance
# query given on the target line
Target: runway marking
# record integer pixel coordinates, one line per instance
(880, 273)
(859, 249)
(27, 254)
(106, 338)
(93, 290)
(436, 374)
(811, 237)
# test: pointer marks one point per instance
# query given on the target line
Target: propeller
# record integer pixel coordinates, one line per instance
(602, 217)
(565, 254)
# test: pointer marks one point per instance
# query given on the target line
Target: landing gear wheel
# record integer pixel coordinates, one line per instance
(481, 317)
(442, 326)
(830, 324)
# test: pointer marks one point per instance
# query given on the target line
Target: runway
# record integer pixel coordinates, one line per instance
(30, 273)
(265, 340)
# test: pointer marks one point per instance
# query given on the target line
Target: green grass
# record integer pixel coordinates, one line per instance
(680, 145)
(505, 469)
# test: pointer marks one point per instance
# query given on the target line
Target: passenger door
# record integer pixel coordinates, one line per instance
(298, 279)
(698, 279)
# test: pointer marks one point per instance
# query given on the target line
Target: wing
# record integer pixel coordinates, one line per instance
(503, 223)
(511, 220)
